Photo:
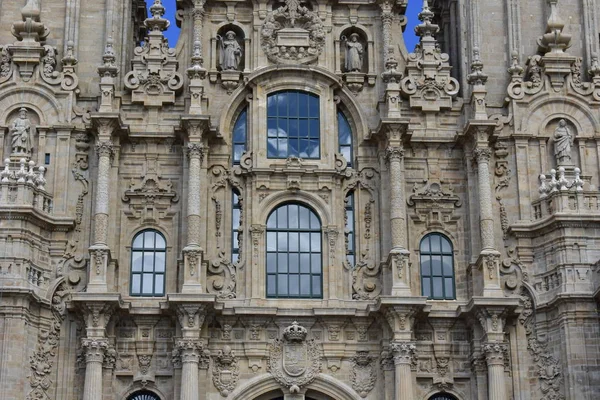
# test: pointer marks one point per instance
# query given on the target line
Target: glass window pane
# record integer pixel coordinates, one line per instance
(159, 262)
(304, 217)
(283, 148)
(282, 125)
(282, 265)
(272, 148)
(272, 221)
(148, 261)
(350, 259)
(282, 285)
(234, 241)
(238, 150)
(136, 261)
(449, 287)
(272, 127)
(149, 240)
(425, 266)
(235, 218)
(438, 291)
(313, 106)
(271, 287)
(136, 282)
(293, 241)
(303, 105)
(282, 221)
(425, 245)
(314, 221)
(271, 241)
(160, 242)
(313, 128)
(315, 242)
(282, 244)
(234, 258)
(294, 285)
(350, 242)
(282, 104)
(435, 244)
(271, 262)
(350, 219)
(159, 284)
(303, 150)
(293, 128)
(272, 105)
(426, 289)
(304, 241)
(293, 216)
(147, 284)
(305, 285)
(447, 260)
(292, 98)
(315, 263)
(239, 131)
(304, 263)
(446, 246)
(436, 265)
(316, 286)
(303, 128)
(345, 150)
(294, 263)
(313, 148)
(138, 242)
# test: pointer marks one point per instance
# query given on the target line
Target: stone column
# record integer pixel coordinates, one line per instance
(386, 22)
(189, 351)
(403, 358)
(192, 251)
(486, 217)
(398, 258)
(94, 356)
(494, 356)
(99, 251)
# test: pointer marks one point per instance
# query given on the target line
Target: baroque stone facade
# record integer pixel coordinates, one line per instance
(289, 204)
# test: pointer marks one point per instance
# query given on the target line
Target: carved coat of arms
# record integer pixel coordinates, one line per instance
(294, 361)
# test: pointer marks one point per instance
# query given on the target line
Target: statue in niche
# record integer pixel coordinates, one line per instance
(231, 52)
(562, 142)
(354, 53)
(22, 132)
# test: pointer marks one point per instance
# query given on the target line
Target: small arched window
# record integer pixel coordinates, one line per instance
(143, 395)
(294, 252)
(437, 267)
(344, 138)
(239, 136)
(148, 262)
(293, 125)
(442, 396)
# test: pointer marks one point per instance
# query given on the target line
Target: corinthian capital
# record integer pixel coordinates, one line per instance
(188, 350)
(94, 349)
(105, 149)
(404, 352)
(494, 353)
(482, 154)
(394, 153)
(195, 150)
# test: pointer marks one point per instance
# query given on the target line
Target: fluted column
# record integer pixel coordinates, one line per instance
(494, 356)
(190, 352)
(398, 257)
(94, 356)
(192, 251)
(404, 353)
(99, 251)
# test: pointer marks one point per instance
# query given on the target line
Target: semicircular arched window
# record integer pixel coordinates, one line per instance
(239, 136)
(148, 264)
(294, 252)
(143, 395)
(442, 396)
(293, 125)
(437, 267)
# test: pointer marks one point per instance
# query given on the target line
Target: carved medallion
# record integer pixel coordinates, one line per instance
(294, 361)
(363, 375)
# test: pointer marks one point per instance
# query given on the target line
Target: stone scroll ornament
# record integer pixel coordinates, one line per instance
(292, 34)
(294, 361)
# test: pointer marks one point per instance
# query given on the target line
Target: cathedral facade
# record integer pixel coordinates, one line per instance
(289, 204)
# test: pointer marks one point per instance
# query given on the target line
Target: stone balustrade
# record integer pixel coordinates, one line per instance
(567, 202)
(23, 184)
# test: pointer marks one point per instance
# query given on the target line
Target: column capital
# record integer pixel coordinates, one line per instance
(191, 316)
(482, 154)
(189, 350)
(105, 148)
(94, 349)
(196, 150)
(394, 153)
(403, 352)
(494, 353)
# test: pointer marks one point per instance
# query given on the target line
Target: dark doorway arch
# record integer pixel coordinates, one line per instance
(143, 395)
(442, 396)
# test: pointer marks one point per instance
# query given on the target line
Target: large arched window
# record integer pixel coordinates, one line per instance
(437, 267)
(344, 138)
(239, 136)
(148, 262)
(293, 125)
(294, 252)
(143, 395)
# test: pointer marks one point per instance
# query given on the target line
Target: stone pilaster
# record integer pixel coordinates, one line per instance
(494, 357)
(404, 353)
(192, 252)
(94, 356)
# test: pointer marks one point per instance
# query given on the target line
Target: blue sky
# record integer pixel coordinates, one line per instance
(414, 6)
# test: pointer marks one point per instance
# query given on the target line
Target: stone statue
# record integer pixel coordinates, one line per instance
(562, 142)
(22, 132)
(231, 52)
(354, 54)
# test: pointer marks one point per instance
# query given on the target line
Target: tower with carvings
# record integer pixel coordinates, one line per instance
(289, 203)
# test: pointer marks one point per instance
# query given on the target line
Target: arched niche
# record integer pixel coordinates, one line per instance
(348, 37)
(33, 132)
(239, 37)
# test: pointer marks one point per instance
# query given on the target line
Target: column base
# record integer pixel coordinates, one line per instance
(99, 258)
(398, 261)
(192, 269)
(487, 284)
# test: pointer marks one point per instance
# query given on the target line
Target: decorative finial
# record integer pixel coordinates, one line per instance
(426, 28)
(554, 40)
(477, 76)
(30, 29)
(157, 22)
(515, 69)
(69, 58)
(594, 70)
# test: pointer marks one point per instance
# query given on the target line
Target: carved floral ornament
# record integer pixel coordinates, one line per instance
(294, 361)
(293, 34)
